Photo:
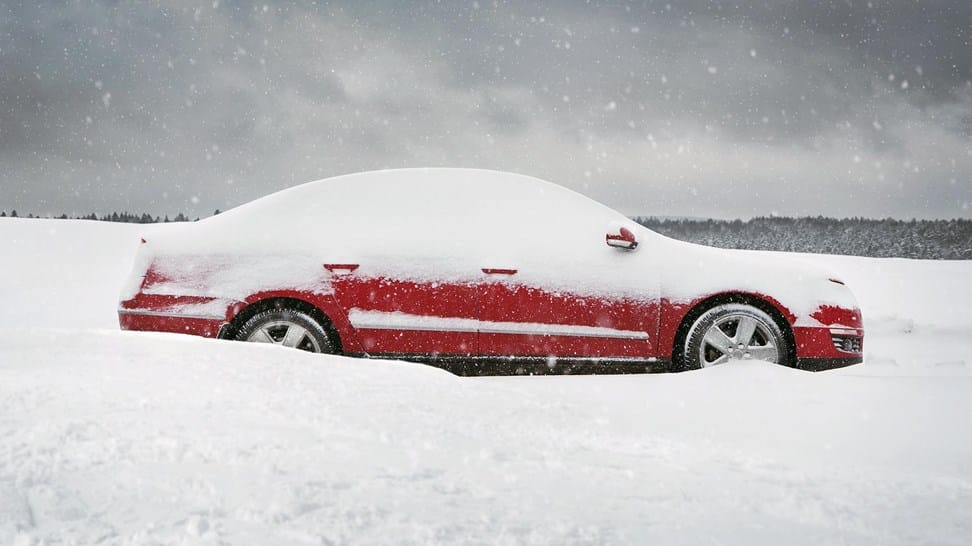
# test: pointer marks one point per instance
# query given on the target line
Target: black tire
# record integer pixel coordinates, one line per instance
(720, 335)
(287, 327)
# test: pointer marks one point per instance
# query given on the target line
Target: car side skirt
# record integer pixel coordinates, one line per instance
(528, 365)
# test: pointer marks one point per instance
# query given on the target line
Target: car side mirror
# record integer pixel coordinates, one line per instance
(624, 239)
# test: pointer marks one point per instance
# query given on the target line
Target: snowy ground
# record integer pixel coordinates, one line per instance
(109, 437)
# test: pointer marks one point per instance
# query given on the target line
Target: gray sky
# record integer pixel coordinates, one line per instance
(842, 108)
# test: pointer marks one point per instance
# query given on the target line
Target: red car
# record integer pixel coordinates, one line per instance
(482, 272)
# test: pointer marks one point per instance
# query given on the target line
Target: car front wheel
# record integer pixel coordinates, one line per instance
(733, 332)
(287, 327)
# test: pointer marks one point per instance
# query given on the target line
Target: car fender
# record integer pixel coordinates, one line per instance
(324, 302)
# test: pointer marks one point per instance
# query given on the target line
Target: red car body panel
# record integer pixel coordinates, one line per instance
(615, 322)
(150, 312)
(386, 295)
(490, 302)
(203, 327)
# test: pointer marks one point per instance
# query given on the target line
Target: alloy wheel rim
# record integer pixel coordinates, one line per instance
(287, 334)
(735, 337)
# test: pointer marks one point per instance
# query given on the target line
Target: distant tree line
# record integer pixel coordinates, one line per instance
(123, 217)
(922, 239)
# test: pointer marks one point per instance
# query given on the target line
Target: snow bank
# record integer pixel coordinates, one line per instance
(64, 273)
(111, 437)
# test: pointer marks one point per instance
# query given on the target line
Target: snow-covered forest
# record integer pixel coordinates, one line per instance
(885, 238)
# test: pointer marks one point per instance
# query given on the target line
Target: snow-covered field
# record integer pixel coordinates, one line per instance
(111, 437)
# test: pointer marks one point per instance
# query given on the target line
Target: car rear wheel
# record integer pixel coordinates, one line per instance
(732, 332)
(286, 327)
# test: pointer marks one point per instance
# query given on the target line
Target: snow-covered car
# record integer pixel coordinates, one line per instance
(482, 272)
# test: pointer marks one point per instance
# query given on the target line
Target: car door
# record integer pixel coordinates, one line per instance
(397, 316)
(555, 289)
(520, 319)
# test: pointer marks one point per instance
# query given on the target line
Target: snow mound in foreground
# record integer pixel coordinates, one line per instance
(128, 438)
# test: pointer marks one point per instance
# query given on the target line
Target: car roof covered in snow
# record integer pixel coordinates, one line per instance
(408, 212)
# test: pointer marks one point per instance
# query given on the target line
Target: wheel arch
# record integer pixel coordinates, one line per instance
(774, 309)
(243, 311)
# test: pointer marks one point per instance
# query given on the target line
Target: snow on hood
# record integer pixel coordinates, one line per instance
(800, 284)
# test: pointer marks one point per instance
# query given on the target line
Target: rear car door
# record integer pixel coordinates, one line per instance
(397, 316)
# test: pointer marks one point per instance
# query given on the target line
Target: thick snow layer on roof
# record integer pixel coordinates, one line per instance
(407, 213)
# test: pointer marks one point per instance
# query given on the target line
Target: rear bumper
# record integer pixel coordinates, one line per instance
(194, 315)
(158, 322)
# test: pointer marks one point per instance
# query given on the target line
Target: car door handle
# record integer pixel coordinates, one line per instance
(498, 271)
(341, 268)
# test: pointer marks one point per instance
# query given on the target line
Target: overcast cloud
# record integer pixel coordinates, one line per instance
(844, 108)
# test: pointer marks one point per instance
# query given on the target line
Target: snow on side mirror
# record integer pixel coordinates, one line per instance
(624, 239)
